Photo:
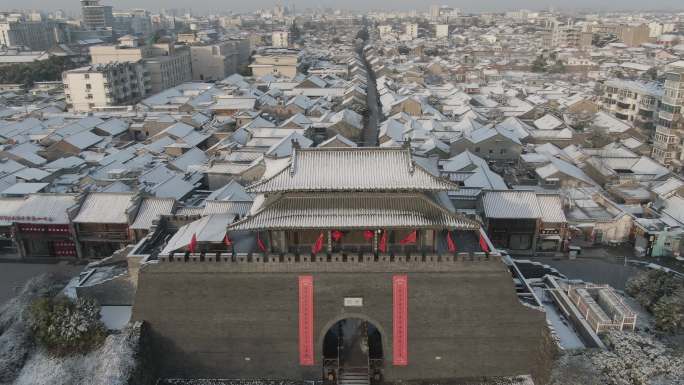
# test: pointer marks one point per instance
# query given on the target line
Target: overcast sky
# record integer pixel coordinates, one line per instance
(241, 5)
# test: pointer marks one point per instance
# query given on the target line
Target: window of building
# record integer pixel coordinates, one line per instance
(670, 109)
(664, 122)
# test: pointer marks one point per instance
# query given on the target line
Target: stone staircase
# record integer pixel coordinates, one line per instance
(354, 376)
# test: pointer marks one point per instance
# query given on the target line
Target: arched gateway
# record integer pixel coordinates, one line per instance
(353, 350)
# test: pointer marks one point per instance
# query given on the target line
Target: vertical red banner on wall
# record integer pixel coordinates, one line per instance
(400, 320)
(306, 347)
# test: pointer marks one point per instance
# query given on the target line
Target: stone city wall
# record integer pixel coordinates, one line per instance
(240, 320)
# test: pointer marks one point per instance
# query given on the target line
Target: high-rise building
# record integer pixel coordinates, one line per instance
(280, 39)
(17, 31)
(217, 61)
(443, 12)
(519, 16)
(655, 29)
(96, 16)
(667, 143)
(567, 35)
(434, 12)
(105, 85)
(135, 21)
(167, 64)
(632, 101)
(441, 30)
(634, 35)
(412, 30)
(385, 31)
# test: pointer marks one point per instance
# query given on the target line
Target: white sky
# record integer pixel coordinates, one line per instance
(241, 5)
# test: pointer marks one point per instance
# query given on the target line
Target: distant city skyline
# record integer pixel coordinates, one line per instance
(240, 6)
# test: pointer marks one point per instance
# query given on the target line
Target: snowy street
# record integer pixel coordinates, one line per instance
(13, 276)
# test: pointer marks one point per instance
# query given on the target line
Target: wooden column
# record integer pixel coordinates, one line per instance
(283, 242)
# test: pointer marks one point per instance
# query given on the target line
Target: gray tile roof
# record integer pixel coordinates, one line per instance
(105, 208)
(521, 204)
(211, 228)
(51, 206)
(150, 210)
(551, 208)
(352, 169)
(511, 205)
(227, 207)
(353, 211)
(24, 188)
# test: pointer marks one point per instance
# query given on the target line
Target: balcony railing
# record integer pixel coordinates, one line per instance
(666, 115)
(647, 105)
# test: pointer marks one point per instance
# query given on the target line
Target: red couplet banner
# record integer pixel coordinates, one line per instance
(400, 320)
(306, 345)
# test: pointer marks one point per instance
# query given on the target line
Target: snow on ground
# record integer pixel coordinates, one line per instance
(631, 359)
(111, 364)
(562, 327)
(115, 317)
(23, 363)
(15, 340)
(13, 276)
(636, 358)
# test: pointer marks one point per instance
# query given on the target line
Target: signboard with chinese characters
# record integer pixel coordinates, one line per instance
(24, 218)
(353, 302)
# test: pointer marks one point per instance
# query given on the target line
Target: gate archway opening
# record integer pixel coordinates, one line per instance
(352, 347)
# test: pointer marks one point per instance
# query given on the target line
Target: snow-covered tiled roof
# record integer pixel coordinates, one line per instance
(511, 204)
(352, 169)
(150, 210)
(357, 211)
(105, 208)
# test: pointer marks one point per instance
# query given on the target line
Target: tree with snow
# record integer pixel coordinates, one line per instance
(64, 327)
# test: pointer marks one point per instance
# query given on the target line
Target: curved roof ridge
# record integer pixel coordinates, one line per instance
(353, 169)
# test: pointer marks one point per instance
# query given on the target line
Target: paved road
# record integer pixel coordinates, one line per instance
(597, 270)
(13, 276)
(370, 134)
